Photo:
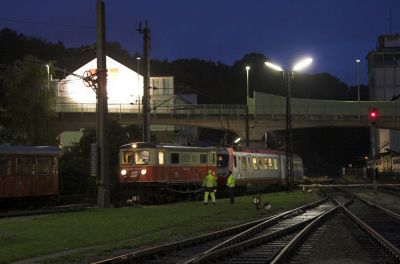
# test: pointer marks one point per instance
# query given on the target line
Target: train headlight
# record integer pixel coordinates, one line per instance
(143, 171)
(123, 172)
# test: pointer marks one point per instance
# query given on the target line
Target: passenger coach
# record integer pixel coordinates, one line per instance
(255, 169)
(28, 173)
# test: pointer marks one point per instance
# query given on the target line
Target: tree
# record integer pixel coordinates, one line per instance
(28, 102)
(75, 162)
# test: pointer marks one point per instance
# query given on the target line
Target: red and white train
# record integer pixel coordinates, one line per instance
(161, 172)
(28, 174)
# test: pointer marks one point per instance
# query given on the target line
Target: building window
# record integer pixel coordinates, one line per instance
(378, 60)
(388, 59)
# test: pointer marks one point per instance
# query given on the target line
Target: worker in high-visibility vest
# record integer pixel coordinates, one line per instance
(210, 184)
(230, 184)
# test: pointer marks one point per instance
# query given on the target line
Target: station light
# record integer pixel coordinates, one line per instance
(373, 115)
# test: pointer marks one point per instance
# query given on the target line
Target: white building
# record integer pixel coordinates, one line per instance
(124, 89)
(384, 84)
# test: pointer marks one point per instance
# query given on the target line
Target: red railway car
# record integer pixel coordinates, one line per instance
(161, 172)
(28, 173)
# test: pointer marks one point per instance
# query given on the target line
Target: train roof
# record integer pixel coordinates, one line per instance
(164, 145)
(263, 151)
(7, 149)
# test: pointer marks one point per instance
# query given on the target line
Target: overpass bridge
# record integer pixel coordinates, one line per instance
(266, 113)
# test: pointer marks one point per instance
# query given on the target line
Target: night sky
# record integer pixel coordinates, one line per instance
(334, 33)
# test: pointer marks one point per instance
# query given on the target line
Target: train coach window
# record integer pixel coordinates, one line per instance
(260, 163)
(255, 167)
(244, 163)
(24, 167)
(174, 158)
(235, 161)
(186, 158)
(265, 163)
(270, 165)
(42, 167)
(161, 158)
(203, 158)
(195, 158)
(5, 167)
(275, 164)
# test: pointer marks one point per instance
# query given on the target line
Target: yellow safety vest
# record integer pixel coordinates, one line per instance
(231, 181)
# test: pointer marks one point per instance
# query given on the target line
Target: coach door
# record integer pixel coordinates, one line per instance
(6, 177)
(25, 176)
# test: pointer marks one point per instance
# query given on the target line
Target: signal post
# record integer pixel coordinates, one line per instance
(372, 118)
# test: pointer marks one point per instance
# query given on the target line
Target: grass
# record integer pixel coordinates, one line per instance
(103, 231)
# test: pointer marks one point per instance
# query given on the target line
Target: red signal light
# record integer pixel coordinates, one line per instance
(373, 114)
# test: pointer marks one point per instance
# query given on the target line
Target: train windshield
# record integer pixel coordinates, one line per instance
(223, 160)
(135, 157)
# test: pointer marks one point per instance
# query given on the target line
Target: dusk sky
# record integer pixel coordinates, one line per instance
(334, 33)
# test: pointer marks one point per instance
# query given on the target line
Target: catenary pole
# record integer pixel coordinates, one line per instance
(103, 184)
(146, 81)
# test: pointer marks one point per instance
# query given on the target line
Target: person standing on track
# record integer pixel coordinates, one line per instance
(230, 183)
(210, 184)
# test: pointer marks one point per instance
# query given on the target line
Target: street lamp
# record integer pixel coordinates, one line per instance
(288, 75)
(358, 78)
(247, 108)
(247, 81)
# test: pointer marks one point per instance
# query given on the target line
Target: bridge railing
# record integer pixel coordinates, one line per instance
(274, 107)
(200, 109)
(266, 107)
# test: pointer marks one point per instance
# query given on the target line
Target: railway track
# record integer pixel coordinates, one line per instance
(67, 203)
(188, 250)
(297, 236)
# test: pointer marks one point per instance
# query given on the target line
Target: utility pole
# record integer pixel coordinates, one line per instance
(103, 184)
(288, 132)
(247, 108)
(146, 80)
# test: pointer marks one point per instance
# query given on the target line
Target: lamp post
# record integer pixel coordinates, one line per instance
(138, 80)
(247, 81)
(48, 76)
(358, 79)
(247, 108)
(288, 75)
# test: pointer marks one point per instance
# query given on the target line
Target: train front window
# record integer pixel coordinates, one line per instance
(5, 167)
(223, 160)
(142, 156)
(127, 157)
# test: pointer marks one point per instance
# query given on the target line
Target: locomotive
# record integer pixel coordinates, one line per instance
(28, 174)
(166, 172)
